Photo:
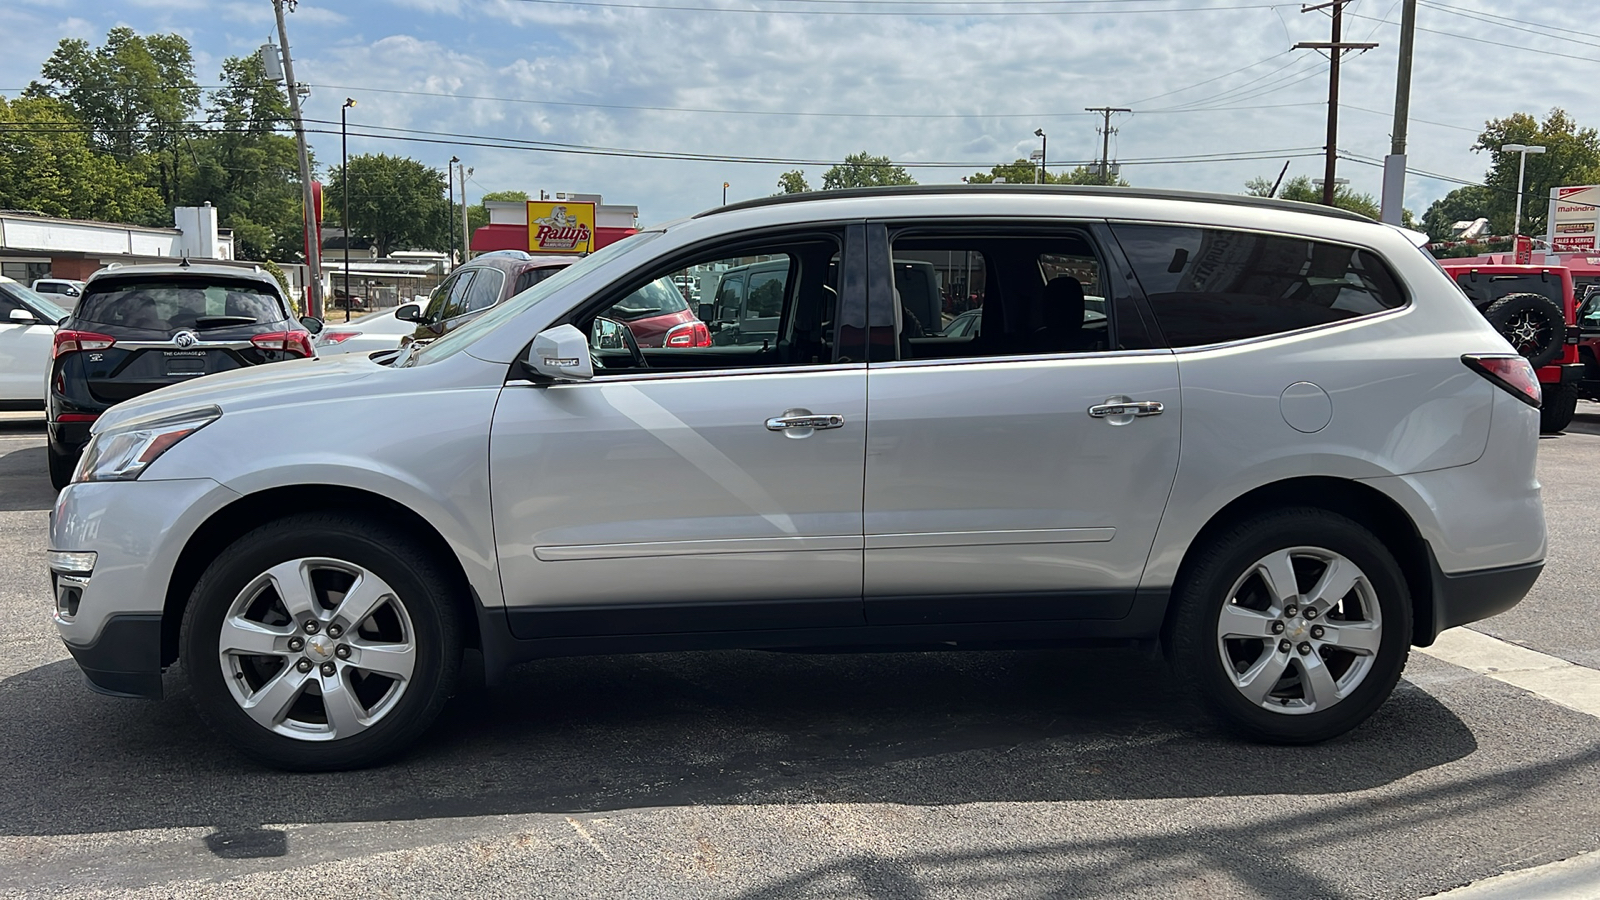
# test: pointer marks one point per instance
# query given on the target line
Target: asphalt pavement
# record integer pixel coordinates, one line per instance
(767, 775)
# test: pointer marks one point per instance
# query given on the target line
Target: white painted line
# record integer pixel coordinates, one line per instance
(1577, 878)
(1554, 679)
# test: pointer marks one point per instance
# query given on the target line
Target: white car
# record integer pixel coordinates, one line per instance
(27, 329)
(369, 333)
(65, 290)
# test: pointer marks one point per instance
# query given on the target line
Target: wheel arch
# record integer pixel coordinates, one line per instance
(1366, 505)
(233, 521)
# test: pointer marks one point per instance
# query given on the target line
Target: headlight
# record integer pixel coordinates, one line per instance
(123, 452)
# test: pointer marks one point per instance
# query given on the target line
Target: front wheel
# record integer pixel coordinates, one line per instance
(1293, 627)
(321, 642)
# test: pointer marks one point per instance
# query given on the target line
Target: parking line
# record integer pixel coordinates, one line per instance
(1554, 679)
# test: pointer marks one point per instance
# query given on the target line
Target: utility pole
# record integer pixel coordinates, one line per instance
(313, 245)
(1336, 48)
(466, 236)
(1394, 165)
(1105, 138)
(450, 211)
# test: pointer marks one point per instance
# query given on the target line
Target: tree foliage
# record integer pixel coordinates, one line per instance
(1464, 204)
(1026, 172)
(1571, 157)
(1304, 190)
(395, 202)
(862, 170)
(47, 165)
(793, 182)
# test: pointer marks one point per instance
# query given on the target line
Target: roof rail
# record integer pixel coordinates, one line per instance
(1069, 190)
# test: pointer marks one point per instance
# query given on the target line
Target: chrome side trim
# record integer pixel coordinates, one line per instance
(197, 345)
(990, 538)
(698, 548)
(1016, 358)
(674, 375)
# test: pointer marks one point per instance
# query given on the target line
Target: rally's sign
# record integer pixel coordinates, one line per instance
(560, 226)
(1574, 214)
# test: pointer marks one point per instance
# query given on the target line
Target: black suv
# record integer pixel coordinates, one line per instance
(139, 328)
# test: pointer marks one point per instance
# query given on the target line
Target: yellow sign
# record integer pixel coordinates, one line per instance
(560, 226)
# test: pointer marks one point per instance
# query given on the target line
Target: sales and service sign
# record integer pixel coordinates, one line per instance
(1574, 214)
(560, 226)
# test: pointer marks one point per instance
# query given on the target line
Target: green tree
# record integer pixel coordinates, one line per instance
(1571, 157)
(47, 164)
(1302, 188)
(244, 168)
(861, 170)
(1463, 204)
(395, 202)
(1025, 172)
(136, 93)
(793, 182)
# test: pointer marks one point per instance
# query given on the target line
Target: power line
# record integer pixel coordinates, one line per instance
(1514, 24)
(1478, 40)
(1211, 79)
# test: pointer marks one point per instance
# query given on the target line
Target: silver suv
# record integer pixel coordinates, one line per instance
(1284, 447)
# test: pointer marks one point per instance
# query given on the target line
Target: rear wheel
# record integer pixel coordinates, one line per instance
(1560, 404)
(1534, 324)
(322, 642)
(1293, 627)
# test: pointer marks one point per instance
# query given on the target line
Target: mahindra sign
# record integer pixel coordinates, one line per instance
(1574, 214)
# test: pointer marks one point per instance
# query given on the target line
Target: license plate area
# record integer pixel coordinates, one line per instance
(185, 364)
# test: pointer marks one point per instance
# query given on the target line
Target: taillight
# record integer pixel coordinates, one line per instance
(689, 334)
(297, 342)
(74, 341)
(337, 337)
(1512, 373)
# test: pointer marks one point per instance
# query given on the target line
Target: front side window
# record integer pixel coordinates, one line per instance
(455, 300)
(1212, 286)
(774, 304)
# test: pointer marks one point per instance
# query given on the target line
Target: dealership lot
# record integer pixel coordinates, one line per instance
(744, 774)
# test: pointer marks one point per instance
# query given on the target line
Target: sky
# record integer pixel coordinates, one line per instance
(803, 83)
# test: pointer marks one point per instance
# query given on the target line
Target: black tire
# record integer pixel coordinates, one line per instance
(1535, 325)
(61, 466)
(1560, 404)
(1202, 661)
(426, 598)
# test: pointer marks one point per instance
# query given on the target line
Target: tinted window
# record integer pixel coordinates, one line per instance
(766, 294)
(1485, 289)
(454, 295)
(532, 277)
(163, 305)
(1209, 286)
(484, 291)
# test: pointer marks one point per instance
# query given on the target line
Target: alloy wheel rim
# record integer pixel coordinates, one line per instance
(1299, 631)
(1527, 331)
(317, 649)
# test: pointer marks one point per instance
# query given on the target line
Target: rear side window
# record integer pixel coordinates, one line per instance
(485, 289)
(163, 305)
(1212, 286)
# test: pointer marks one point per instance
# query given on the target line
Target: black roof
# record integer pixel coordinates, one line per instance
(1070, 190)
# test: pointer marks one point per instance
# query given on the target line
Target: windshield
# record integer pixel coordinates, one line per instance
(469, 333)
(161, 305)
(657, 298)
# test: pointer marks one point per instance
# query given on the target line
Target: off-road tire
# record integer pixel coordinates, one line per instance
(1535, 325)
(1560, 404)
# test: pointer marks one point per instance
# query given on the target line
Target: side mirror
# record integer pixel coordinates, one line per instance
(72, 291)
(411, 312)
(312, 324)
(705, 311)
(23, 317)
(561, 353)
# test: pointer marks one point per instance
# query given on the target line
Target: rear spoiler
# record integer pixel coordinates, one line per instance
(1417, 238)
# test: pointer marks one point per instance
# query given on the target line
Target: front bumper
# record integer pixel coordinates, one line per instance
(111, 618)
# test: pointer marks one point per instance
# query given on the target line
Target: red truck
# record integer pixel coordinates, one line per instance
(1534, 307)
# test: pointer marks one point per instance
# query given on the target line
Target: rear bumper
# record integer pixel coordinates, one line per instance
(1567, 373)
(125, 659)
(1465, 597)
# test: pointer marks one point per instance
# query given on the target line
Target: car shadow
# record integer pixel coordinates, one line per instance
(734, 727)
(25, 481)
(1586, 422)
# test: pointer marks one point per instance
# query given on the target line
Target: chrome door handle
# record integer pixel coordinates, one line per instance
(783, 423)
(1140, 408)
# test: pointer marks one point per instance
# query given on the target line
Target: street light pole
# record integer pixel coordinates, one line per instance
(724, 193)
(1522, 169)
(450, 213)
(344, 173)
(1044, 155)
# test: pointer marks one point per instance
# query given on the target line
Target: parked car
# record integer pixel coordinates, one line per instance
(27, 327)
(139, 328)
(1589, 344)
(1290, 450)
(1532, 307)
(656, 314)
(367, 334)
(66, 290)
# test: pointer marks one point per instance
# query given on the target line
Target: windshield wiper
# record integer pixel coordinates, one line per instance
(222, 321)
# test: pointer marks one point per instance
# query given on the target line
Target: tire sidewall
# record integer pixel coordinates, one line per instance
(1500, 311)
(1205, 591)
(402, 566)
